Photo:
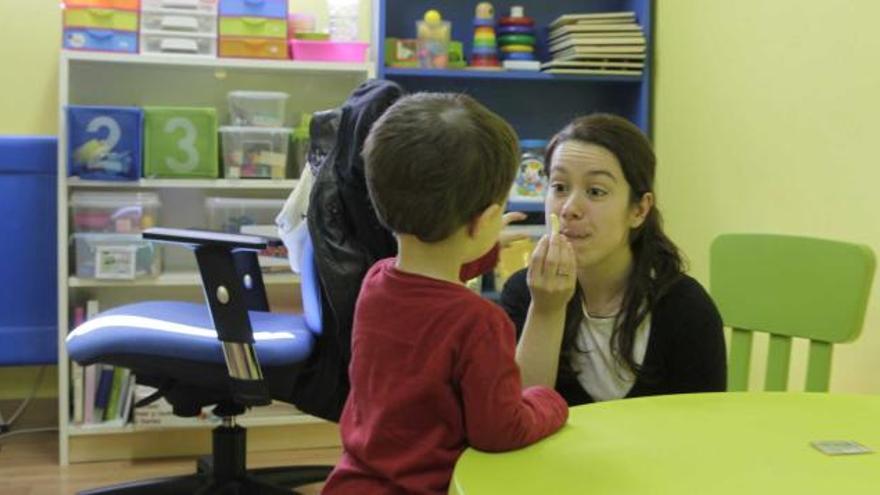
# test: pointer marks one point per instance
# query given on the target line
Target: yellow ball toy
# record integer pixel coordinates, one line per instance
(433, 17)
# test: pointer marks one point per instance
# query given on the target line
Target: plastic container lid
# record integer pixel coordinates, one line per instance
(29, 154)
(259, 95)
(255, 130)
(243, 203)
(113, 200)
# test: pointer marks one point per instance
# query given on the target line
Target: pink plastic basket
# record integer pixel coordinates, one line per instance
(331, 51)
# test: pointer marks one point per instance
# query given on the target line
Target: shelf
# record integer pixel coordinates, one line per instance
(174, 279)
(113, 428)
(218, 63)
(502, 74)
(240, 184)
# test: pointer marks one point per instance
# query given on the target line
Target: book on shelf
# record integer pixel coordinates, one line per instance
(593, 64)
(596, 72)
(611, 44)
(77, 372)
(628, 29)
(595, 52)
(594, 17)
(573, 56)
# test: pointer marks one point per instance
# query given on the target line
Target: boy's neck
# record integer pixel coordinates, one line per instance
(439, 260)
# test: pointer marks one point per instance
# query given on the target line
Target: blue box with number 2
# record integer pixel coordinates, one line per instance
(104, 143)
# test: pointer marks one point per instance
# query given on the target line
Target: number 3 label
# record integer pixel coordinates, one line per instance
(186, 144)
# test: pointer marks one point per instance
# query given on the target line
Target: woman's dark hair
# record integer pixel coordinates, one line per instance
(657, 263)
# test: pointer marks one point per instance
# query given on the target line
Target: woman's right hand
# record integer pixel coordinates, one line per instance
(551, 275)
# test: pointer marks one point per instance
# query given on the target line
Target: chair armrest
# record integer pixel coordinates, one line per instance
(233, 284)
(207, 238)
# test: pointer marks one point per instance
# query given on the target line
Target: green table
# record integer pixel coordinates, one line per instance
(721, 443)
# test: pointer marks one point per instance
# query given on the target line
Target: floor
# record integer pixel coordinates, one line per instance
(29, 466)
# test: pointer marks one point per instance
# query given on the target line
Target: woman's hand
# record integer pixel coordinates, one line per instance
(507, 238)
(551, 277)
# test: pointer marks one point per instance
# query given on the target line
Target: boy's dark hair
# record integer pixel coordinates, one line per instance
(436, 160)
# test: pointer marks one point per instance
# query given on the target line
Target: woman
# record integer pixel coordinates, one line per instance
(604, 310)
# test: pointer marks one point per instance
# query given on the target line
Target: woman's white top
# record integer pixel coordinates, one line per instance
(597, 370)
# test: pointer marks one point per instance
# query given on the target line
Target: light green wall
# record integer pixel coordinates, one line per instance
(30, 34)
(765, 114)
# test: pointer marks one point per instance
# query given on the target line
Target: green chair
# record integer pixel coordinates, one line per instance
(788, 286)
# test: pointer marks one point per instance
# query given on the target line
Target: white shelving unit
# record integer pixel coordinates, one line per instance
(88, 78)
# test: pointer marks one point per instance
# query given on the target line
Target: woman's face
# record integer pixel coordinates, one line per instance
(591, 196)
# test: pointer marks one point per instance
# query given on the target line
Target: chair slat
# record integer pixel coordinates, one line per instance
(819, 366)
(739, 360)
(778, 359)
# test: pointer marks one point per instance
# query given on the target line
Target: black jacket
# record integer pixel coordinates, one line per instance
(685, 352)
(348, 239)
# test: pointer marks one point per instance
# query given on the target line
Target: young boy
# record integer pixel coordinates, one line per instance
(432, 368)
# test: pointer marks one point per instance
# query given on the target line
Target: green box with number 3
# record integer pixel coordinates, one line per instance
(180, 142)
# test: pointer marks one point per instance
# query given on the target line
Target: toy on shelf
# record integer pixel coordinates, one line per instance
(433, 35)
(516, 36)
(484, 53)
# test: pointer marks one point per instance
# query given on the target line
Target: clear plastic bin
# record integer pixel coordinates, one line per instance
(117, 213)
(176, 21)
(250, 216)
(257, 108)
(115, 256)
(299, 150)
(206, 6)
(255, 152)
(169, 43)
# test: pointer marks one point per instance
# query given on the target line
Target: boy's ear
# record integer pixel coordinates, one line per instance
(482, 218)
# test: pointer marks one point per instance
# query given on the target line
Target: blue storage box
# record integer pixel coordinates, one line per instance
(103, 40)
(104, 143)
(28, 255)
(254, 8)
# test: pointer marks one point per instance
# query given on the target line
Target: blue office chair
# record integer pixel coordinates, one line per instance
(233, 354)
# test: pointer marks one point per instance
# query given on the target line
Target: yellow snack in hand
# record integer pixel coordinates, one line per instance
(554, 223)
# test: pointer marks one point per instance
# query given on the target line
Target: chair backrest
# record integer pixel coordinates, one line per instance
(789, 286)
(310, 287)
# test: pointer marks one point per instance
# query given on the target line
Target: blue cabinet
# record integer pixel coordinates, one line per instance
(28, 260)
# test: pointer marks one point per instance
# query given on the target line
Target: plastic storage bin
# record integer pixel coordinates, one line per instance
(272, 48)
(115, 256)
(105, 4)
(255, 152)
(176, 21)
(254, 8)
(250, 216)
(330, 51)
(299, 150)
(208, 6)
(120, 213)
(257, 108)
(165, 43)
(104, 143)
(260, 27)
(28, 258)
(101, 40)
(118, 20)
(180, 142)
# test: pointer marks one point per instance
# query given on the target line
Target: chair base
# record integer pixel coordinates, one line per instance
(224, 473)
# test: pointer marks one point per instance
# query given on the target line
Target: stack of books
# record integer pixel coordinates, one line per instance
(608, 43)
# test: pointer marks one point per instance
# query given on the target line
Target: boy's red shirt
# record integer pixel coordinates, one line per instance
(432, 372)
